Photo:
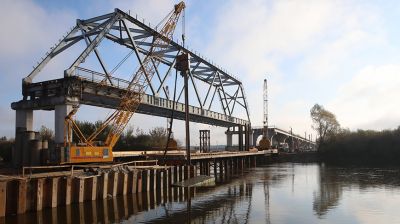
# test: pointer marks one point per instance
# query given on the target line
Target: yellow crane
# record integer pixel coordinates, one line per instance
(88, 149)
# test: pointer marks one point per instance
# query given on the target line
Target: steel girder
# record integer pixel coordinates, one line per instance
(127, 31)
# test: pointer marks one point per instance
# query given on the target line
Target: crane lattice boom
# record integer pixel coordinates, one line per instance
(118, 120)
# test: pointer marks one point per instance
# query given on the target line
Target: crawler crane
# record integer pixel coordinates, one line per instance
(89, 149)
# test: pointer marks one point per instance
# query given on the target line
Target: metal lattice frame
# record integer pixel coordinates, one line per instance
(127, 31)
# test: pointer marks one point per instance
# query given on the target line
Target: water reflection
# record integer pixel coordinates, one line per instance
(328, 194)
(277, 193)
(334, 180)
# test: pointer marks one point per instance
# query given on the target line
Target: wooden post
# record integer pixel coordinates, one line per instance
(158, 181)
(54, 191)
(3, 198)
(170, 176)
(186, 170)
(180, 173)
(93, 188)
(175, 174)
(153, 180)
(221, 169)
(242, 164)
(134, 181)
(125, 184)
(68, 189)
(146, 180)
(104, 186)
(226, 167)
(139, 181)
(114, 184)
(215, 169)
(39, 194)
(165, 178)
(22, 186)
(81, 189)
(193, 171)
(232, 166)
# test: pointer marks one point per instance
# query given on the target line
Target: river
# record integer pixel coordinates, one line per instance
(274, 193)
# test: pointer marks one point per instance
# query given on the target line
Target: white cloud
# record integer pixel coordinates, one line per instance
(29, 31)
(370, 99)
(302, 47)
(29, 28)
(152, 11)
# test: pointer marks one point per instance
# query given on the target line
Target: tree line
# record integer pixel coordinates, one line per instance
(131, 139)
(362, 147)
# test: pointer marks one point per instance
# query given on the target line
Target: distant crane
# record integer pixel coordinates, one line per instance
(116, 122)
(265, 142)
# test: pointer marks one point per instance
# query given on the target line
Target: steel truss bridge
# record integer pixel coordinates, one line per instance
(103, 88)
(277, 136)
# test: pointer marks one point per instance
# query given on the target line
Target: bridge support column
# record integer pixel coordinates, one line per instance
(23, 122)
(228, 138)
(251, 133)
(61, 111)
(240, 135)
(215, 168)
(247, 137)
(24, 119)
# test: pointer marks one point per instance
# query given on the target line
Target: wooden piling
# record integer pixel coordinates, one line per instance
(93, 188)
(134, 181)
(54, 191)
(186, 172)
(154, 180)
(104, 186)
(221, 169)
(114, 184)
(22, 186)
(140, 181)
(146, 180)
(39, 194)
(80, 189)
(3, 198)
(125, 184)
(68, 190)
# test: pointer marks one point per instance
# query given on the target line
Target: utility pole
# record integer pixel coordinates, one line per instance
(182, 65)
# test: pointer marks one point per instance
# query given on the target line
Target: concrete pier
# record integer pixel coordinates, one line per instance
(61, 111)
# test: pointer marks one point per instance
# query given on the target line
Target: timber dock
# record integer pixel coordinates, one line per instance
(37, 189)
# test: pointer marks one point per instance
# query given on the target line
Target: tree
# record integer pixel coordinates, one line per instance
(158, 136)
(325, 122)
(46, 133)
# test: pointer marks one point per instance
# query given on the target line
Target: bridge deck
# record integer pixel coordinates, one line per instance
(77, 90)
(194, 156)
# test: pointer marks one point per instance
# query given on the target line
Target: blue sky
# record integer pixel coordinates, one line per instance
(341, 54)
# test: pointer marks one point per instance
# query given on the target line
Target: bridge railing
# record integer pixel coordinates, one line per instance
(101, 79)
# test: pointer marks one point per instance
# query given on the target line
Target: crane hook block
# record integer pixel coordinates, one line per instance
(182, 62)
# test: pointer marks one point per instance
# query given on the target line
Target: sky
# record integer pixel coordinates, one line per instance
(340, 54)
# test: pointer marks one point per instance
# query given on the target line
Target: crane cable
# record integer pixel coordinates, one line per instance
(171, 119)
(174, 98)
(131, 52)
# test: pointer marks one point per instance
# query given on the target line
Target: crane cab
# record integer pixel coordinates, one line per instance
(86, 154)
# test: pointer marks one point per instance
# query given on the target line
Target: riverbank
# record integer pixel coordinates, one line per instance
(300, 157)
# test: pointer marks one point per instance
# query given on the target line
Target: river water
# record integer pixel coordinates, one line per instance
(274, 193)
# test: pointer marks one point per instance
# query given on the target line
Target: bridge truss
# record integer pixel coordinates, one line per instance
(121, 29)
